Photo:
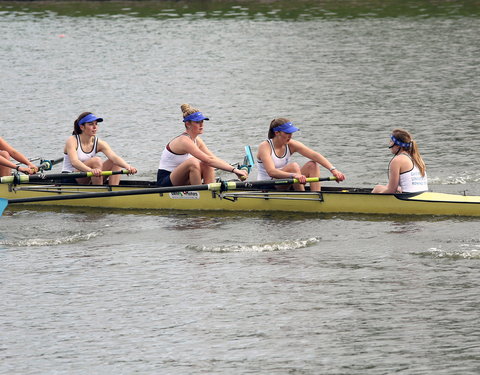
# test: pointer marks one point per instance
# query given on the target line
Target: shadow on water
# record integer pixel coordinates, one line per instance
(293, 10)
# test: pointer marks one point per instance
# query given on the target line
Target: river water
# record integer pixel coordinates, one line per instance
(124, 292)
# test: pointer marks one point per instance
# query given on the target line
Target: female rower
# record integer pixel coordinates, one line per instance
(186, 160)
(274, 154)
(406, 171)
(6, 166)
(82, 147)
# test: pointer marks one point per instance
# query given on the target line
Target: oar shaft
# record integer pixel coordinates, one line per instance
(272, 183)
(105, 194)
(53, 176)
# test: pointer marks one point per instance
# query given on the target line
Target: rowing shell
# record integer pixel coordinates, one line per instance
(329, 200)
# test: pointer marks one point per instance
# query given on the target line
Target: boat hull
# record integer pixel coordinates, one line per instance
(330, 200)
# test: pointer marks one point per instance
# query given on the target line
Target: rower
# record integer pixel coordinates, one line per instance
(186, 159)
(406, 170)
(6, 153)
(273, 157)
(81, 151)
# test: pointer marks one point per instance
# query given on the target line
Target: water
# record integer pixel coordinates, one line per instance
(166, 292)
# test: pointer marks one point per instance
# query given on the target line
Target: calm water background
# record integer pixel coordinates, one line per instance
(89, 291)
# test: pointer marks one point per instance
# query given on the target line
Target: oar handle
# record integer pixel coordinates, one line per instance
(107, 173)
(262, 183)
(317, 179)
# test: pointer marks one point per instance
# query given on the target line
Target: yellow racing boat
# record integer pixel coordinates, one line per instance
(233, 196)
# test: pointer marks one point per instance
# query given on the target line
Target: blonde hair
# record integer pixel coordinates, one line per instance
(276, 122)
(188, 110)
(404, 136)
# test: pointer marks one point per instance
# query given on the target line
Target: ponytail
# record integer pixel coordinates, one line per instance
(276, 122)
(417, 158)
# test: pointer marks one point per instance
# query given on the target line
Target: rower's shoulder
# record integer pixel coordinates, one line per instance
(401, 161)
(403, 158)
(264, 145)
(71, 138)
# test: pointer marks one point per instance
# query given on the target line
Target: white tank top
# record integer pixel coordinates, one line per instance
(412, 181)
(278, 161)
(82, 155)
(169, 160)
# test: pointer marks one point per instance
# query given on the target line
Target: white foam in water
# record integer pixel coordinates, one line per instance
(78, 237)
(465, 251)
(461, 179)
(270, 246)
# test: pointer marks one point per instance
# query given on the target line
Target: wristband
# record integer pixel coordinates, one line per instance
(331, 169)
(17, 167)
(233, 169)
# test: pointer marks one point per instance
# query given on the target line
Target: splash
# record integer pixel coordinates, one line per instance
(462, 179)
(266, 247)
(74, 238)
(464, 251)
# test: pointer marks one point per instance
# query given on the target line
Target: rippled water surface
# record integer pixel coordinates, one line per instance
(89, 291)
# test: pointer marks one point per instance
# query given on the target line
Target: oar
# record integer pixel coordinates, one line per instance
(45, 165)
(216, 186)
(248, 159)
(17, 179)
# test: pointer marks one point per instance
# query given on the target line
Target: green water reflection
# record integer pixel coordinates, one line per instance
(295, 10)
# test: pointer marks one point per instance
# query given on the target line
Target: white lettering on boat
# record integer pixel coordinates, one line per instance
(185, 195)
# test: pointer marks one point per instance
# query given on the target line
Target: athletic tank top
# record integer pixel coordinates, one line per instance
(82, 155)
(278, 161)
(412, 181)
(170, 160)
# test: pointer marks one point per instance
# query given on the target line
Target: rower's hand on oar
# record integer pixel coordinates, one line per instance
(242, 174)
(131, 170)
(33, 168)
(27, 170)
(338, 175)
(97, 172)
(300, 177)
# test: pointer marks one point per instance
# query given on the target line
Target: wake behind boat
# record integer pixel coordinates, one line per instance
(236, 196)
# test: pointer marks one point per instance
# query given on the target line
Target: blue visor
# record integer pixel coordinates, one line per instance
(90, 118)
(197, 116)
(286, 128)
(400, 143)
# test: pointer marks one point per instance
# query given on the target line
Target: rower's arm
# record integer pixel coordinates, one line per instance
(265, 156)
(7, 163)
(299, 147)
(393, 176)
(71, 151)
(15, 154)
(202, 153)
(105, 148)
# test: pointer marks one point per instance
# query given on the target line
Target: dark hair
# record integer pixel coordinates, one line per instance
(76, 126)
(276, 122)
